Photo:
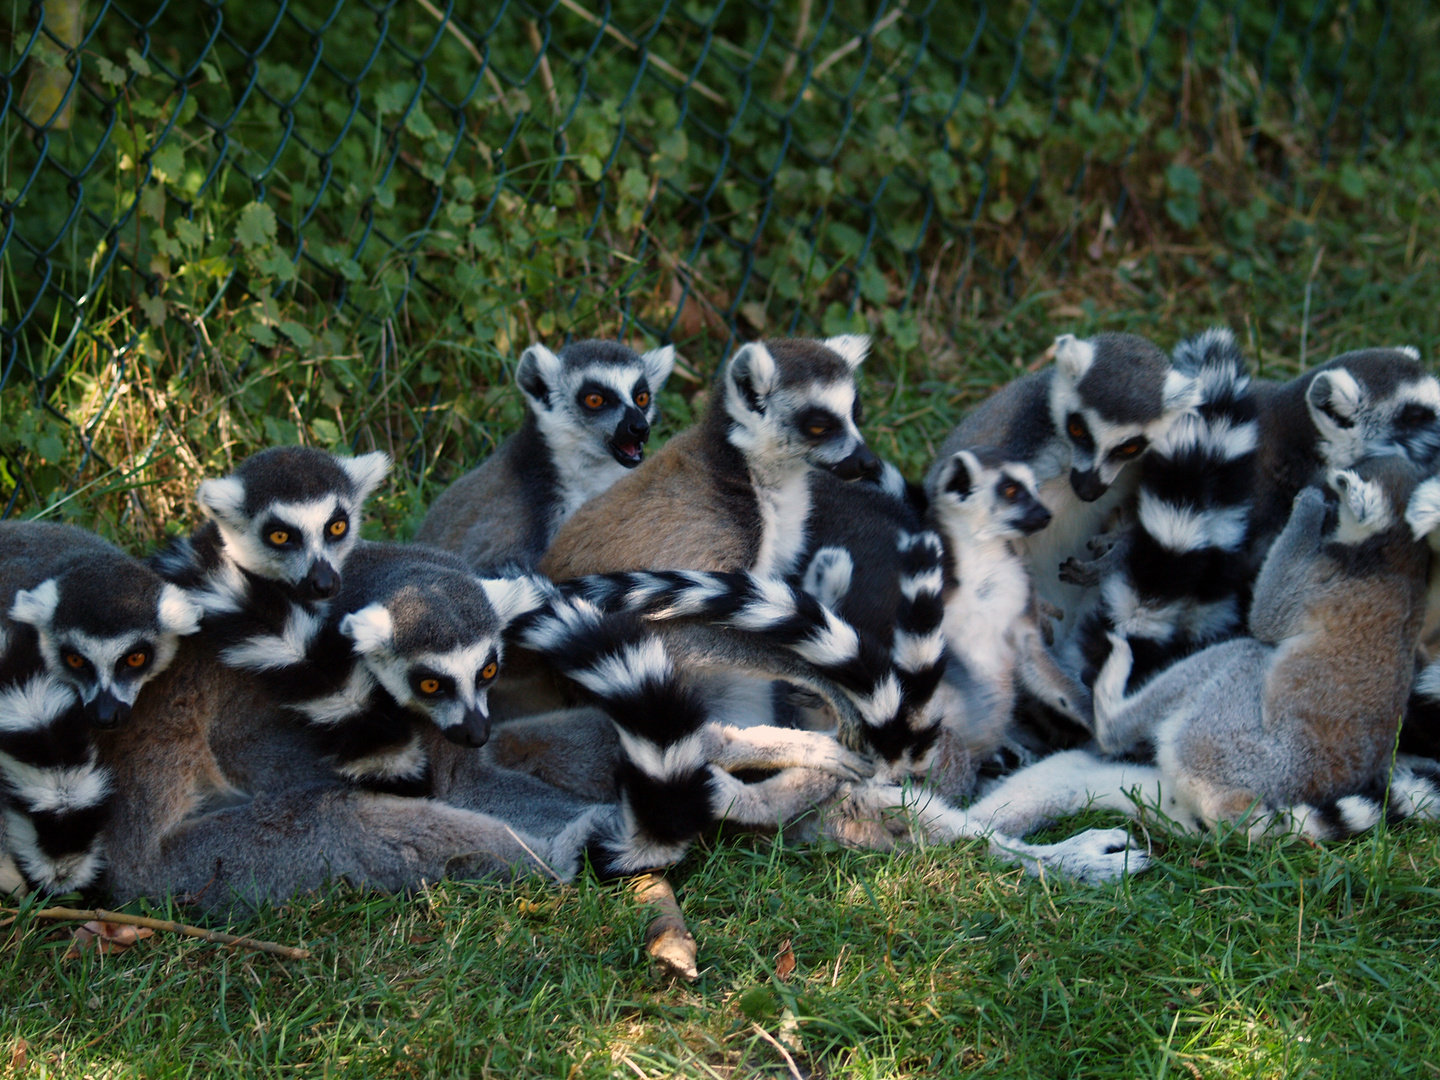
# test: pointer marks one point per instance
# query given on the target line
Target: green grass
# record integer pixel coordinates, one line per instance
(1221, 961)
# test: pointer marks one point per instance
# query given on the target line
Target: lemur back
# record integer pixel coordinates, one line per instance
(589, 411)
(83, 628)
(730, 493)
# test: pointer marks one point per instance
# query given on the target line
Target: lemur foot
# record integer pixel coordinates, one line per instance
(1082, 572)
(1091, 857)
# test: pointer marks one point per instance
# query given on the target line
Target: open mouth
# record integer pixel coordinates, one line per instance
(628, 454)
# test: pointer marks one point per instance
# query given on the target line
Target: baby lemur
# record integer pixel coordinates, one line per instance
(589, 410)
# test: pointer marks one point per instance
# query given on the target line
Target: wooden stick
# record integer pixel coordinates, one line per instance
(667, 938)
(855, 42)
(216, 936)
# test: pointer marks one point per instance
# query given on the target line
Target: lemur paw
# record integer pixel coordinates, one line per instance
(1075, 571)
(842, 763)
(1096, 856)
(1045, 615)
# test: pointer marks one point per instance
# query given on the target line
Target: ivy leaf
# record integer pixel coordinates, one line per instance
(154, 309)
(257, 226)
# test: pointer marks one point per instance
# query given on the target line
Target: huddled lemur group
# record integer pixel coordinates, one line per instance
(1135, 579)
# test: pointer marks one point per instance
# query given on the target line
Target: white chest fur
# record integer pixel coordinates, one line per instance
(993, 592)
(784, 502)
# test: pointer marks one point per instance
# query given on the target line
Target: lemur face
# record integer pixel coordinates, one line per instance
(292, 514)
(1376, 401)
(434, 644)
(794, 401)
(106, 625)
(978, 495)
(596, 399)
(1111, 397)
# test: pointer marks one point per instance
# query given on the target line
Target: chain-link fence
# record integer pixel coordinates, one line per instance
(482, 172)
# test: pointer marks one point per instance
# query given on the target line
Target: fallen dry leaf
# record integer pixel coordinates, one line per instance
(112, 938)
(19, 1055)
(785, 961)
(421, 939)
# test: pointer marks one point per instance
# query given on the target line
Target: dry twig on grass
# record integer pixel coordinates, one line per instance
(216, 936)
(667, 938)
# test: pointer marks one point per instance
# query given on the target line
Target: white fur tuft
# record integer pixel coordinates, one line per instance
(371, 629)
(539, 369)
(658, 364)
(36, 606)
(754, 363)
(1409, 350)
(1073, 356)
(1423, 512)
(179, 615)
(1180, 392)
(853, 348)
(366, 471)
(222, 498)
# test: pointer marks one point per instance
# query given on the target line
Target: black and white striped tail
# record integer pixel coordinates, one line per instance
(1411, 791)
(54, 792)
(1182, 583)
(890, 686)
(667, 788)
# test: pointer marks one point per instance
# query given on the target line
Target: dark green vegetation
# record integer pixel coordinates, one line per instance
(347, 240)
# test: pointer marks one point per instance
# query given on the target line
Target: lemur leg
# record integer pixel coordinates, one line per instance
(1282, 589)
(297, 840)
(763, 747)
(1048, 680)
(575, 750)
(1094, 855)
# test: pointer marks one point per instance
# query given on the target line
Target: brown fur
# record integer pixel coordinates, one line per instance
(672, 513)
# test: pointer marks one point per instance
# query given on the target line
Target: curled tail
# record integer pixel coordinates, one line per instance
(889, 685)
(669, 792)
(54, 791)
(1178, 580)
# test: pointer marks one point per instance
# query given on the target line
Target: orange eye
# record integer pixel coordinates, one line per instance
(75, 660)
(642, 399)
(1077, 429)
(429, 686)
(817, 429)
(338, 527)
(594, 401)
(1010, 490)
(489, 670)
(1130, 449)
(137, 659)
(278, 537)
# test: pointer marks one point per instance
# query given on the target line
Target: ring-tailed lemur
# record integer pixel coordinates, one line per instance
(1177, 578)
(731, 493)
(84, 627)
(1290, 729)
(268, 561)
(589, 413)
(1077, 425)
(1361, 403)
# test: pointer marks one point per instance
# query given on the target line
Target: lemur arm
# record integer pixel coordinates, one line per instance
(1282, 589)
(1041, 674)
(1110, 550)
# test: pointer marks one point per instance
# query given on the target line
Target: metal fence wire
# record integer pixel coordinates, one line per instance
(729, 167)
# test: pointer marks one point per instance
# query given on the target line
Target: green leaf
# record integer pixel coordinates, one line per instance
(110, 74)
(1182, 180)
(138, 63)
(325, 431)
(297, 333)
(169, 161)
(154, 309)
(591, 166)
(257, 226)
(49, 447)
(1352, 181)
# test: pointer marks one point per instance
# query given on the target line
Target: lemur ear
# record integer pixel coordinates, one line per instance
(1334, 397)
(658, 364)
(37, 606)
(179, 614)
(853, 348)
(366, 471)
(371, 629)
(957, 476)
(537, 374)
(1422, 513)
(223, 499)
(752, 376)
(1409, 350)
(1073, 356)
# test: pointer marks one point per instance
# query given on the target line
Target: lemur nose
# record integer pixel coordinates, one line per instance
(323, 581)
(861, 463)
(107, 711)
(473, 730)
